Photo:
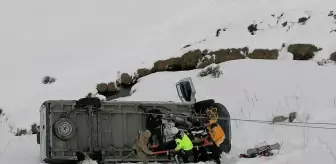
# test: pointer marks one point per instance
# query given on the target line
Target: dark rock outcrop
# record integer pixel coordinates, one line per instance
(302, 51)
(333, 57)
(102, 87)
(143, 72)
(303, 20)
(48, 80)
(126, 79)
(190, 59)
(224, 55)
(201, 59)
(123, 92)
(112, 87)
(206, 60)
(264, 54)
(252, 28)
(172, 64)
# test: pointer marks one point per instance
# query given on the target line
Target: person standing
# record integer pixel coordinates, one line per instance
(154, 125)
(216, 134)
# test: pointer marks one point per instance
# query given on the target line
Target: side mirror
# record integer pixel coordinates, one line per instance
(186, 90)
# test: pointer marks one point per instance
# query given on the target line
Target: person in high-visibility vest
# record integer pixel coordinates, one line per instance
(184, 146)
(216, 134)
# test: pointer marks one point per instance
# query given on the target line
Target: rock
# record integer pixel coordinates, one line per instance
(125, 79)
(118, 83)
(252, 28)
(292, 116)
(186, 46)
(112, 87)
(123, 92)
(21, 132)
(143, 72)
(333, 56)
(190, 59)
(264, 54)
(206, 61)
(224, 55)
(205, 52)
(135, 78)
(34, 129)
(102, 87)
(284, 24)
(279, 119)
(171, 64)
(48, 80)
(331, 13)
(302, 51)
(303, 20)
(218, 32)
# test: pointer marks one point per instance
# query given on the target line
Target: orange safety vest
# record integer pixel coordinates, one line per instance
(216, 132)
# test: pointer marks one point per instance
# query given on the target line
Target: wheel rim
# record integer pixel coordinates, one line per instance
(65, 129)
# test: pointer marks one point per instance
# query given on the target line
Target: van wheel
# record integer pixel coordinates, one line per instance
(38, 137)
(64, 129)
(200, 106)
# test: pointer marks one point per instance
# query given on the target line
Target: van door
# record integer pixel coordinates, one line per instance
(186, 90)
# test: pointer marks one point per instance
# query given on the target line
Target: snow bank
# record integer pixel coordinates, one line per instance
(260, 90)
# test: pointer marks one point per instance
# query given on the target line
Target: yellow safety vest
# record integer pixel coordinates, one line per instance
(184, 143)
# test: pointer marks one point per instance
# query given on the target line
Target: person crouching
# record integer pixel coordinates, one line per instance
(184, 146)
(140, 147)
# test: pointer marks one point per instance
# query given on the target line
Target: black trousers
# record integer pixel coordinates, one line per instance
(185, 155)
(215, 152)
(201, 155)
(157, 132)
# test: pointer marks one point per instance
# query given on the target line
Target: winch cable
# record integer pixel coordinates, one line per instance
(292, 124)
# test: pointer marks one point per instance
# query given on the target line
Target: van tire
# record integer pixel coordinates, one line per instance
(59, 133)
(200, 106)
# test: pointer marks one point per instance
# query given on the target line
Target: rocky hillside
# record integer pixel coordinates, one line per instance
(216, 48)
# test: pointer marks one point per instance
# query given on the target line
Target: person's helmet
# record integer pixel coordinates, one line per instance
(174, 130)
(212, 113)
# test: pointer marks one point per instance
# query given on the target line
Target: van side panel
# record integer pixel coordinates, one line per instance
(79, 142)
(118, 130)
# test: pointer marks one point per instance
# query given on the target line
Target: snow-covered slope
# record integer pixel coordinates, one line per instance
(251, 90)
(260, 90)
(82, 43)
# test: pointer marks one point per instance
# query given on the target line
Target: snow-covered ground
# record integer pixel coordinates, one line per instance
(260, 90)
(250, 89)
(82, 43)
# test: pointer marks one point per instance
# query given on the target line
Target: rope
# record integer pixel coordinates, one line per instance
(293, 124)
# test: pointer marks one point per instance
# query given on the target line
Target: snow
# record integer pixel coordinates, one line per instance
(83, 43)
(260, 90)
